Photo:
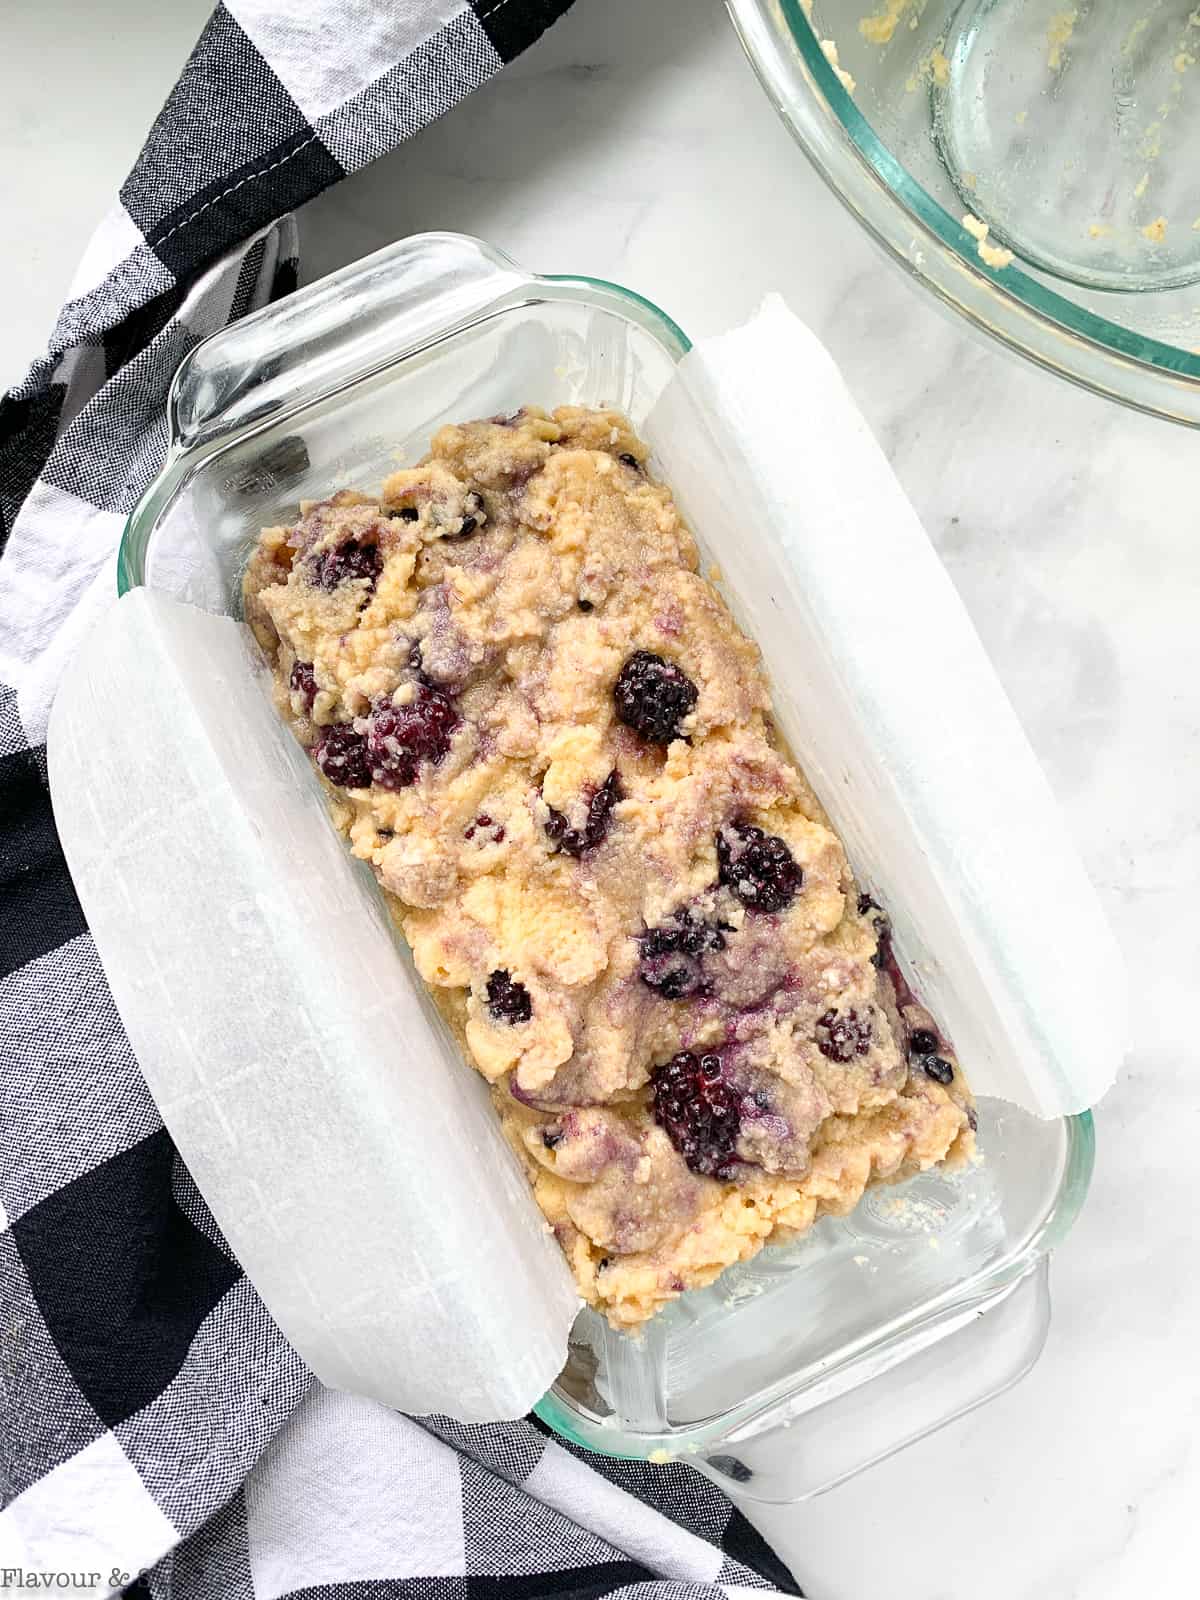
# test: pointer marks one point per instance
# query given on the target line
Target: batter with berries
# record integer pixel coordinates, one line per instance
(542, 728)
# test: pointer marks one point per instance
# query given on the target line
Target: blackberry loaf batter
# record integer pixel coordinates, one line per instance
(542, 728)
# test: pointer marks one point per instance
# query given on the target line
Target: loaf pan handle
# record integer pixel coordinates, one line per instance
(790, 1457)
(334, 331)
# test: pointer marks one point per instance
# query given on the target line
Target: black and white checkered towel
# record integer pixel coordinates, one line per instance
(157, 1435)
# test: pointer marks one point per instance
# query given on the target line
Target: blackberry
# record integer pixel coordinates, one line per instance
(922, 1042)
(653, 696)
(303, 682)
(599, 814)
(670, 955)
(470, 522)
(346, 561)
(405, 514)
(415, 663)
(882, 925)
(508, 1000)
(600, 808)
(698, 1111)
(400, 738)
(758, 867)
(842, 1036)
(674, 979)
(939, 1069)
(483, 823)
(341, 754)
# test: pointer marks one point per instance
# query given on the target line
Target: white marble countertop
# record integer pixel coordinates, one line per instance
(633, 143)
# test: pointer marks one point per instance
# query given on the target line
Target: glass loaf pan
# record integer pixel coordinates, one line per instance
(872, 1330)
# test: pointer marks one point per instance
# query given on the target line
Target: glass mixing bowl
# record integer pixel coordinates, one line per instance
(1068, 129)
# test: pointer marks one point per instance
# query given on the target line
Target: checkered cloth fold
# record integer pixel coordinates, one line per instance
(157, 1434)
